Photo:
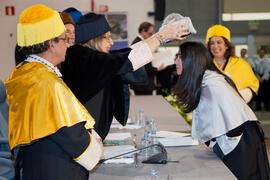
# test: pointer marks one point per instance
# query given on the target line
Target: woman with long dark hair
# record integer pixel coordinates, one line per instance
(221, 118)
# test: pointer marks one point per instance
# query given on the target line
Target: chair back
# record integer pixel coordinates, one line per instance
(3, 111)
(3, 117)
(7, 170)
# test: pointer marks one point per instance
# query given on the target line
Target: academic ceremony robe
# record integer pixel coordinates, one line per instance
(47, 124)
(241, 73)
(97, 79)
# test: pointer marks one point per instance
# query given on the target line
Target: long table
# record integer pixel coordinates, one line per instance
(167, 118)
(195, 162)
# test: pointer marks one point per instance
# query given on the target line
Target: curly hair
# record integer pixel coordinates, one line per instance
(35, 49)
(229, 50)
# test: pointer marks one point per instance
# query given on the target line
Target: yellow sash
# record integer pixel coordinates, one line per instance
(241, 73)
(40, 104)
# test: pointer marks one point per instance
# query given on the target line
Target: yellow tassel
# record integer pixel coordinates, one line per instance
(38, 24)
(35, 14)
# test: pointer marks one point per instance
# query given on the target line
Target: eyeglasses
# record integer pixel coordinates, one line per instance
(57, 39)
(70, 32)
(64, 39)
(108, 38)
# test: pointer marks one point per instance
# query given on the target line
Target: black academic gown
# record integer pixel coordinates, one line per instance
(52, 157)
(97, 80)
(112, 100)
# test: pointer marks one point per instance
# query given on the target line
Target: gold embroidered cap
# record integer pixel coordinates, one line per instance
(37, 24)
(218, 30)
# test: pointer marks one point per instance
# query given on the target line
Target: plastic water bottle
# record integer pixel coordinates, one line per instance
(145, 143)
(153, 174)
(154, 140)
(134, 140)
(141, 118)
(148, 127)
(153, 126)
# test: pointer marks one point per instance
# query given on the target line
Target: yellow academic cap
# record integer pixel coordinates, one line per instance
(218, 30)
(38, 24)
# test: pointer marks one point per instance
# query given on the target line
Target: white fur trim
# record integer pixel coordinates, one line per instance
(246, 94)
(91, 156)
(95, 134)
(140, 55)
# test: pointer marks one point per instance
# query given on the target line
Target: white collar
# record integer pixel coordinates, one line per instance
(140, 37)
(35, 58)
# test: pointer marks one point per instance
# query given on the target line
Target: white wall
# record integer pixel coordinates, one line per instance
(136, 12)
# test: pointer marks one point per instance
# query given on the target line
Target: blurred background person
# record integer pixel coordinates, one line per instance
(166, 79)
(243, 53)
(146, 30)
(262, 71)
(74, 13)
(70, 27)
(219, 45)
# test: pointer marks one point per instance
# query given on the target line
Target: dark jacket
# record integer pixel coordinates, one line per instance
(97, 80)
(151, 72)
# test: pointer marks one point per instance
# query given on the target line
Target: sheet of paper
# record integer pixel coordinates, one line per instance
(120, 161)
(130, 126)
(182, 141)
(118, 136)
(112, 151)
(163, 57)
(170, 134)
(114, 121)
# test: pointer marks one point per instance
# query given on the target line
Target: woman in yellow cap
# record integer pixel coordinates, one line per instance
(218, 42)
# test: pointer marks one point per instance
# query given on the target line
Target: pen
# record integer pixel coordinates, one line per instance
(127, 156)
(113, 143)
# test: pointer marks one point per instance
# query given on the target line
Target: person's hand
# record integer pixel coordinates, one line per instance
(101, 147)
(99, 141)
(174, 31)
(161, 67)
